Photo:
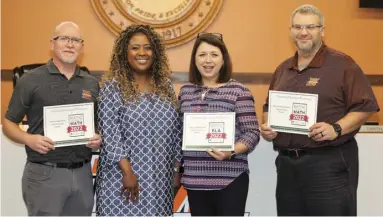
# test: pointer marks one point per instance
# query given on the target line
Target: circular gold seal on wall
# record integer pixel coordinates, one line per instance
(177, 21)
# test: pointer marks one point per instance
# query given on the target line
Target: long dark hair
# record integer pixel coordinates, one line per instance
(121, 72)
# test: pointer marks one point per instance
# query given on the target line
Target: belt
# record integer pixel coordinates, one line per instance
(297, 153)
(64, 165)
(293, 153)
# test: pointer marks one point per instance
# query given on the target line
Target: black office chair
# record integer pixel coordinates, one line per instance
(19, 71)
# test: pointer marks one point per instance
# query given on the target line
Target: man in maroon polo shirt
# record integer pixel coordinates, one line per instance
(318, 174)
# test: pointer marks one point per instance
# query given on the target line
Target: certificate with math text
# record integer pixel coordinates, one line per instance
(292, 112)
(71, 124)
(202, 131)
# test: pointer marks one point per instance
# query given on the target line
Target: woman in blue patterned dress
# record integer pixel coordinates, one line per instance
(140, 126)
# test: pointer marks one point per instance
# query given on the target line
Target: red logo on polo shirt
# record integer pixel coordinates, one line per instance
(86, 94)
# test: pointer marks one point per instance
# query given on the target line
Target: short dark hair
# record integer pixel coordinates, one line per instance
(227, 67)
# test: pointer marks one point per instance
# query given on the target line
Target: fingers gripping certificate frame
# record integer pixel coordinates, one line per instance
(206, 130)
(292, 112)
(68, 125)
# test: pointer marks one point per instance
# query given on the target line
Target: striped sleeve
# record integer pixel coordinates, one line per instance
(246, 119)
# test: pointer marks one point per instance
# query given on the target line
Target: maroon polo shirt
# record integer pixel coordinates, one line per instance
(340, 84)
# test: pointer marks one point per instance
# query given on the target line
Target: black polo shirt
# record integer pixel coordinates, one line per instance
(46, 86)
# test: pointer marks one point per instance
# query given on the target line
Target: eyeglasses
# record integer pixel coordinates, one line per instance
(307, 27)
(218, 35)
(67, 39)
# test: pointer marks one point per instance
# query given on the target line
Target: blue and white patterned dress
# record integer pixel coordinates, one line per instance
(148, 134)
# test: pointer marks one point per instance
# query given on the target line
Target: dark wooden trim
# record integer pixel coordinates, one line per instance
(6, 75)
(182, 77)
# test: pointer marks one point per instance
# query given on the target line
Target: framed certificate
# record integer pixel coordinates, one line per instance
(71, 124)
(206, 130)
(291, 112)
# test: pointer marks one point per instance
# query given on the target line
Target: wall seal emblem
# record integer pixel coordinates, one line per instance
(177, 21)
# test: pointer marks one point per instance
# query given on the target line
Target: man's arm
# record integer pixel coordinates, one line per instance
(20, 102)
(359, 97)
(13, 132)
(353, 120)
(360, 104)
(36, 142)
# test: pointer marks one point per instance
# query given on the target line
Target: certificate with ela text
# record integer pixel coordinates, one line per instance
(202, 131)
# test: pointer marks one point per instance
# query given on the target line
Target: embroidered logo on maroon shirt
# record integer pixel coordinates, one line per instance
(312, 82)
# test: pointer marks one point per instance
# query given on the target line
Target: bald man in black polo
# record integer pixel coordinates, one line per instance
(56, 181)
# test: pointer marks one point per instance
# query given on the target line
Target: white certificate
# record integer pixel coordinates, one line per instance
(291, 112)
(71, 124)
(206, 130)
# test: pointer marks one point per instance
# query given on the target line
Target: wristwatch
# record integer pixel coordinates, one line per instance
(338, 129)
(178, 169)
(232, 155)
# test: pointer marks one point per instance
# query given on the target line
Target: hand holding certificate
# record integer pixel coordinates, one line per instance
(68, 125)
(292, 112)
(202, 131)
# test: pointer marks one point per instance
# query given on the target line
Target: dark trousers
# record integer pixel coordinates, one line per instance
(320, 183)
(52, 191)
(230, 201)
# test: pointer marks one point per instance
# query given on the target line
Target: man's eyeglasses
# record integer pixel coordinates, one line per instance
(307, 27)
(218, 35)
(67, 39)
